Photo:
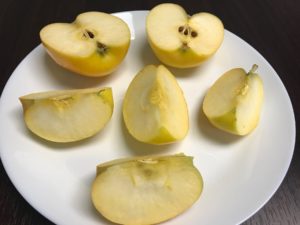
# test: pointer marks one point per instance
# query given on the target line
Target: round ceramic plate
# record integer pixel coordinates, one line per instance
(240, 173)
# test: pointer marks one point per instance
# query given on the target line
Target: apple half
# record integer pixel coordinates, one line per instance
(146, 190)
(93, 45)
(234, 101)
(154, 107)
(68, 115)
(180, 40)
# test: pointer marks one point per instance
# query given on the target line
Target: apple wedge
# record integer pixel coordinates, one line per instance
(69, 115)
(154, 108)
(93, 45)
(234, 102)
(146, 190)
(180, 40)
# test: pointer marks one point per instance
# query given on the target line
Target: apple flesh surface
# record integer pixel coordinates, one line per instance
(146, 190)
(154, 107)
(93, 45)
(180, 40)
(234, 102)
(69, 115)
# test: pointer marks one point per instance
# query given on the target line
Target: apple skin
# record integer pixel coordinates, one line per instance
(94, 65)
(178, 58)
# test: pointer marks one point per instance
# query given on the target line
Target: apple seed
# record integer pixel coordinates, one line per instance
(89, 34)
(186, 32)
(180, 29)
(194, 34)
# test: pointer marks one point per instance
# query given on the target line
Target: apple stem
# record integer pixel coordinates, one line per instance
(253, 69)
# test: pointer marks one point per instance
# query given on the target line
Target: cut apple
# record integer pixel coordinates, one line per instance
(180, 40)
(154, 109)
(146, 190)
(93, 45)
(67, 116)
(234, 102)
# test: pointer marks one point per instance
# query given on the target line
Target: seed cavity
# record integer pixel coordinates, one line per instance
(184, 46)
(187, 31)
(101, 48)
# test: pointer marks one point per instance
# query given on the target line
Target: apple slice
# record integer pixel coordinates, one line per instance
(180, 40)
(67, 116)
(154, 108)
(93, 45)
(146, 190)
(234, 102)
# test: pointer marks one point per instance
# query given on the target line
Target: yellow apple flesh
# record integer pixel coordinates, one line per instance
(154, 108)
(234, 102)
(146, 190)
(93, 45)
(180, 40)
(69, 115)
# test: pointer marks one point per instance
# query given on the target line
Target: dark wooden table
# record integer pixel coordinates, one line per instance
(270, 26)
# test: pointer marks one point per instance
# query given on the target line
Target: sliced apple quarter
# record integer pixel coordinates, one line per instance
(93, 45)
(146, 190)
(68, 115)
(180, 40)
(154, 108)
(234, 101)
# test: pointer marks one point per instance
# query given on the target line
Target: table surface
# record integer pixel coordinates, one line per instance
(270, 26)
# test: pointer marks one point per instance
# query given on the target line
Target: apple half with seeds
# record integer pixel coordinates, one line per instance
(67, 115)
(180, 40)
(93, 45)
(234, 101)
(154, 107)
(146, 190)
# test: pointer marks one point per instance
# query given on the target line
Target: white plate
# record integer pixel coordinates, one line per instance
(240, 174)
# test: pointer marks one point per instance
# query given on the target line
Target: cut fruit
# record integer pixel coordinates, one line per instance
(180, 40)
(154, 108)
(234, 102)
(93, 45)
(146, 190)
(67, 116)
